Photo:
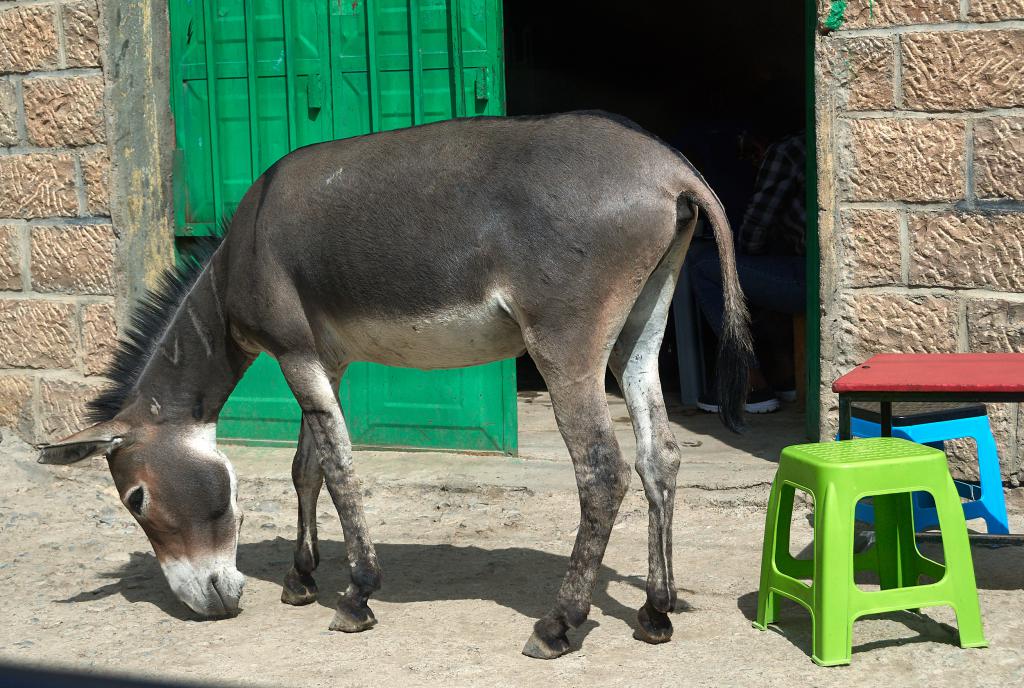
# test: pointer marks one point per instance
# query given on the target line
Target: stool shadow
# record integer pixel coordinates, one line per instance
(995, 568)
(793, 622)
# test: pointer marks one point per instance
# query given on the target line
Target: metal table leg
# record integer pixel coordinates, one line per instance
(844, 418)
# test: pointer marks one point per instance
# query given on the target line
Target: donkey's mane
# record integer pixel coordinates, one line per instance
(148, 322)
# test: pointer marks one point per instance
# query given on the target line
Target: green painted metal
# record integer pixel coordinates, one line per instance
(255, 79)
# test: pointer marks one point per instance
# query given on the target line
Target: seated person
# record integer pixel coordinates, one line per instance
(770, 264)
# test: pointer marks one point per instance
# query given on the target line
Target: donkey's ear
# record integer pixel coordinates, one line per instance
(98, 439)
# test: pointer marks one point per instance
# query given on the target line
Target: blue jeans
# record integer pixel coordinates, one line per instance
(774, 283)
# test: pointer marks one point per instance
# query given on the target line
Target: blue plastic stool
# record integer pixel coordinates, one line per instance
(934, 428)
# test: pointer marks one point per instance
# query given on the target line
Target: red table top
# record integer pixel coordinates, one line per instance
(942, 373)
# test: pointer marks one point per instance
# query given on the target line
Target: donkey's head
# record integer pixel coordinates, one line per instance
(182, 491)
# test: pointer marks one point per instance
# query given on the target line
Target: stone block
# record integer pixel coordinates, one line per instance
(28, 38)
(81, 37)
(8, 113)
(96, 174)
(995, 325)
(38, 185)
(995, 10)
(10, 258)
(73, 259)
(64, 111)
(903, 160)
(862, 15)
(62, 406)
(37, 334)
(871, 243)
(888, 323)
(16, 403)
(865, 73)
(963, 70)
(99, 337)
(999, 158)
(961, 250)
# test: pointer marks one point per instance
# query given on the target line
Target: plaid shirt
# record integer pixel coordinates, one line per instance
(775, 220)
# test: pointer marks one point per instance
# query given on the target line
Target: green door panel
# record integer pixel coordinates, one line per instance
(408, 408)
(255, 79)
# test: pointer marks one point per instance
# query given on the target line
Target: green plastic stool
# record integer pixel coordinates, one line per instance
(838, 475)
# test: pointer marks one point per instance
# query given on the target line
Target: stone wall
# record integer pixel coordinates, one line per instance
(920, 116)
(57, 242)
(86, 153)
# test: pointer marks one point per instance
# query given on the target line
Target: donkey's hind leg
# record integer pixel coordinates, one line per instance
(602, 477)
(308, 478)
(634, 361)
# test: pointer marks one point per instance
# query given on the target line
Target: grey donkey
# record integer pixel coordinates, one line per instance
(446, 245)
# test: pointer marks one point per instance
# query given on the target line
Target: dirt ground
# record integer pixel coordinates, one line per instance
(473, 549)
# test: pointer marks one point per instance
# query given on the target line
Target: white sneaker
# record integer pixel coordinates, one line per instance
(758, 401)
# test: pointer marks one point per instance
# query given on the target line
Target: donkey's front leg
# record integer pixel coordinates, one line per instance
(321, 417)
(308, 478)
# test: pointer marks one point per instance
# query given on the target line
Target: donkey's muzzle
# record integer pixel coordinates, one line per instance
(228, 587)
(210, 589)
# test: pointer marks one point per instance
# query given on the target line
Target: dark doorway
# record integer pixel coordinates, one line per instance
(719, 81)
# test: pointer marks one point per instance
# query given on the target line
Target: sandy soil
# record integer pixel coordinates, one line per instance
(468, 567)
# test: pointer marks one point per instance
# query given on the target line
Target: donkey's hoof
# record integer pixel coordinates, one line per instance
(350, 618)
(299, 589)
(654, 627)
(545, 648)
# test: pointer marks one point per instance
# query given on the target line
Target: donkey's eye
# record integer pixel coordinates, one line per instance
(134, 501)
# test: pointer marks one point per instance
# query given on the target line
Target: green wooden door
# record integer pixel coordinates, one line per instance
(255, 79)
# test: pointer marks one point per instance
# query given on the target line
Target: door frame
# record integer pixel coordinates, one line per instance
(812, 372)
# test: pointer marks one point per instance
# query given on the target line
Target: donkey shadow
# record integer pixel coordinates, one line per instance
(138, 580)
(518, 578)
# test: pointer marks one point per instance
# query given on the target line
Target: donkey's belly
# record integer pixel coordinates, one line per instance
(450, 338)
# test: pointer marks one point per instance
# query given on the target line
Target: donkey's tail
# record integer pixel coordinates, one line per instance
(735, 351)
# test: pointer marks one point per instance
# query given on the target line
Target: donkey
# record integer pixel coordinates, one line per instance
(451, 244)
